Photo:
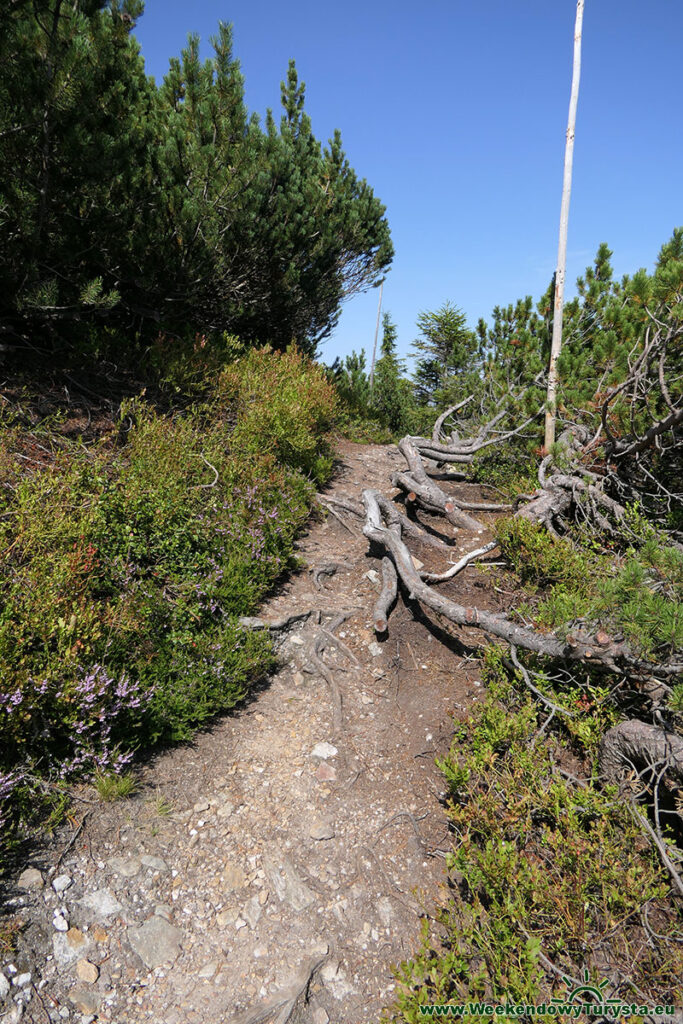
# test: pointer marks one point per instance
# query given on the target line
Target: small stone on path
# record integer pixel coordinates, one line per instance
(4, 986)
(87, 971)
(325, 772)
(208, 970)
(321, 829)
(224, 918)
(252, 911)
(60, 923)
(61, 883)
(324, 750)
(30, 879)
(156, 941)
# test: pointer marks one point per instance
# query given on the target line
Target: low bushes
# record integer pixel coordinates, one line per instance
(637, 595)
(127, 564)
(543, 870)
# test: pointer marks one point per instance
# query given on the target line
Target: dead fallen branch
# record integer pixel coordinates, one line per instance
(660, 846)
(418, 486)
(600, 651)
(471, 556)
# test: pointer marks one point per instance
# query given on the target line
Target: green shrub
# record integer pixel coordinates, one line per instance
(127, 567)
(541, 559)
(285, 407)
(636, 596)
(539, 867)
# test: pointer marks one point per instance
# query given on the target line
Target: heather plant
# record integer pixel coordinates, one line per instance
(128, 563)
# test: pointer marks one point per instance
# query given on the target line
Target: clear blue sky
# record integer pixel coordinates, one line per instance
(456, 115)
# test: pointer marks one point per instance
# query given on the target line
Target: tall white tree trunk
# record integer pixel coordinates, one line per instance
(374, 347)
(556, 346)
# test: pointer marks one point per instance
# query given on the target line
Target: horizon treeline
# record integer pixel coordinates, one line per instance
(130, 210)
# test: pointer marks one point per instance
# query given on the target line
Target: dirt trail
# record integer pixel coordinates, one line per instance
(273, 863)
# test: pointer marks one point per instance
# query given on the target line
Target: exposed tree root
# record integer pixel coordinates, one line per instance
(316, 665)
(599, 650)
(637, 746)
(328, 569)
(288, 1005)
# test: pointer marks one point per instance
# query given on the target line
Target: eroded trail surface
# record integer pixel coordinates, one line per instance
(274, 870)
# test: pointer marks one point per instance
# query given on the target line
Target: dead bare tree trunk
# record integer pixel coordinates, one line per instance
(551, 413)
(374, 347)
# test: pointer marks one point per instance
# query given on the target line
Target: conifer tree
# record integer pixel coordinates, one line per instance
(151, 210)
(75, 135)
(448, 354)
(392, 394)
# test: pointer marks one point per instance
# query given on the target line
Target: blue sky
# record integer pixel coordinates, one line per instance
(456, 115)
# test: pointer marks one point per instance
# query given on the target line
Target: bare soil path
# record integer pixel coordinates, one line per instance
(276, 868)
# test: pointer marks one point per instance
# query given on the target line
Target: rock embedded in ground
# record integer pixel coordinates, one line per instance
(225, 918)
(156, 942)
(288, 886)
(252, 911)
(102, 903)
(60, 922)
(31, 879)
(4, 987)
(324, 750)
(61, 883)
(87, 971)
(208, 970)
(127, 867)
(233, 877)
(69, 947)
(155, 863)
(321, 829)
(84, 999)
